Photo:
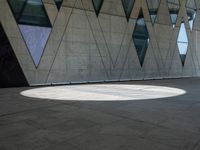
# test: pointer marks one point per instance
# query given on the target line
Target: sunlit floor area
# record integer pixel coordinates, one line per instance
(136, 115)
(103, 92)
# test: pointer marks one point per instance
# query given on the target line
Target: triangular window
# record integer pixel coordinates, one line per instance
(58, 3)
(34, 25)
(182, 42)
(153, 6)
(141, 37)
(173, 6)
(128, 7)
(97, 5)
(191, 12)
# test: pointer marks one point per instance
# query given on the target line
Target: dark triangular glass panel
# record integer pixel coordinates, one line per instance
(11, 74)
(97, 5)
(183, 59)
(191, 12)
(128, 7)
(153, 6)
(30, 12)
(141, 37)
(31, 34)
(173, 6)
(17, 6)
(58, 3)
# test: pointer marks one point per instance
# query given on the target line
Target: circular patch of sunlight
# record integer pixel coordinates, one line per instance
(103, 92)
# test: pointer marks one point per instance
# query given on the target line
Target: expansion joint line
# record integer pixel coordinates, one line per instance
(95, 41)
(52, 25)
(110, 56)
(160, 55)
(168, 52)
(125, 60)
(158, 68)
(192, 54)
(60, 41)
(124, 35)
(173, 53)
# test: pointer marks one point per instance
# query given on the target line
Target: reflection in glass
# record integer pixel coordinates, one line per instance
(153, 6)
(34, 25)
(173, 6)
(16, 6)
(35, 38)
(58, 3)
(191, 12)
(141, 37)
(30, 12)
(182, 42)
(97, 5)
(128, 7)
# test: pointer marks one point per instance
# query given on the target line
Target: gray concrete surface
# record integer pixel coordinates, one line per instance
(170, 123)
(83, 47)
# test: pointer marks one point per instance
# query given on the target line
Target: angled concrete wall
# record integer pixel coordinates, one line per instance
(83, 47)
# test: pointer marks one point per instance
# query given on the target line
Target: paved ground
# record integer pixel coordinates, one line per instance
(171, 123)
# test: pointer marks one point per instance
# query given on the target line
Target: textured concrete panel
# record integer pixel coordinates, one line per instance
(84, 47)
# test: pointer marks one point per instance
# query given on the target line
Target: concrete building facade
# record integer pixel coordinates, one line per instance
(88, 41)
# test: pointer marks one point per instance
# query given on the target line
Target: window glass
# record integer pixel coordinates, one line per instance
(191, 12)
(174, 6)
(182, 42)
(97, 5)
(141, 37)
(58, 3)
(128, 6)
(35, 38)
(16, 6)
(30, 12)
(153, 6)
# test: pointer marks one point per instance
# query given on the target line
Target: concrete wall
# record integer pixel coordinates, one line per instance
(83, 47)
